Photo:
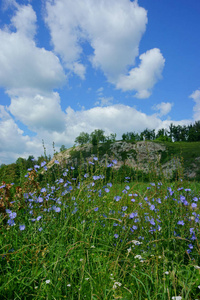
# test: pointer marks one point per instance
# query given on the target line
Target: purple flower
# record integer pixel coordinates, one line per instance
(40, 229)
(91, 163)
(195, 199)
(96, 209)
(116, 235)
(127, 187)
(43, 190)
(43, 163)
(57, 209)
(193, 205)
(95, 158)
(124, 208)
(38, 218)
(40, 200)
(110, 165)
(11, 222)
(114, 161)
(86, 175)
(13, 215)
(22, 227)
(56, 162)
(187, 190)
(191, 230)
(133, 215)
(152, 207)
(109, 184)
(117, 198)
(134, 227)
(152, 222)
(190, 246)
(96, 177)
(180, 223)
(107, 190)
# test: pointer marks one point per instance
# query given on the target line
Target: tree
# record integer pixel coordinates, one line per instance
(83, 138)
(97, 136)
(63, 148)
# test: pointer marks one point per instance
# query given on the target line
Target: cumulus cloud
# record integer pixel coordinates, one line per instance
(143, 78)
(113, 29)
(164, 108)
(39, 111)
(196, 97)
(13, 141)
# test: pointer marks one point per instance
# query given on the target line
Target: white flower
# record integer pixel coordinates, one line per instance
(69, 284)
(81, 259)
(197, 267)
(47, 281)
(198, 286)
(87, 278)
(116, 284)
(166, 272)
(177, 298)
(136, 242)
(129, 250)
(139, 257)
(92, 246)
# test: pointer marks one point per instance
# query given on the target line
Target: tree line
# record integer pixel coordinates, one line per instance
(175, 133)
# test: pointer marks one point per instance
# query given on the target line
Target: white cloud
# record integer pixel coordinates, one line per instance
(196, 97)
(164, 108)
(104, 101)
(23, 64)
(25, 21)
(143, 78)
(13, 142)
(39, 111)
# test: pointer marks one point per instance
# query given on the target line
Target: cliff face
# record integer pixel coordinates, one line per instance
(143, 155)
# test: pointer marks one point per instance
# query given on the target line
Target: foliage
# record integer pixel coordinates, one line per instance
(100, 235)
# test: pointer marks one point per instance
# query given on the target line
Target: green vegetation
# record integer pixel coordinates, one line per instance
(96, 233)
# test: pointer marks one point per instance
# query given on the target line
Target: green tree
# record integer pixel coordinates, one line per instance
(63, 148)
(83, 138)
(97, 136)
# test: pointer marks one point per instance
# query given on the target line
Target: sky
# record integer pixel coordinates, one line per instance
(68, 67)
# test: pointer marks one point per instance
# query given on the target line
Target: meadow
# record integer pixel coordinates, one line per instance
(85, 235)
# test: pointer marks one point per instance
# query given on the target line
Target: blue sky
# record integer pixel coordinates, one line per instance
(72, 66)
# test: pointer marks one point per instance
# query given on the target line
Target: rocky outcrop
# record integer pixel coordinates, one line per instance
(143, 155)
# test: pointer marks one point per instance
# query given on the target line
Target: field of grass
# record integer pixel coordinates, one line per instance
(92, 238)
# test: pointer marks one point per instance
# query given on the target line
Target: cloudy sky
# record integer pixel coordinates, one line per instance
(71, 66)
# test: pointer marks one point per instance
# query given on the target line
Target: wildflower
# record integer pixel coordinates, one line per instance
(180, 223)
(114, 161)
(43, 190)
(57, 209)
(65, 174)
(43, 163)
(56, 162)
(129, 250)
(36, 167)
(107, 190)
(92, 246)
(38, 218)
(124, 208)
(152, 207)
(91, 163)
(22, 227)
(95, 158)
(133, 215)
(116, 235)
(167, 273)
(72, 168)
(87, 278)
(69, 284)
(86, 175)
(195, 199)
(134, 227)
(116, 284)
(177, 298)
(47, 281)
(197, 267)
(117, 198)
(40, 229)
(11, 222)
(133, 200)
(12, 215)
(152, 222)
(109, 184)
(96, 209)
(127, 187)
(193, 205)
(139, 257)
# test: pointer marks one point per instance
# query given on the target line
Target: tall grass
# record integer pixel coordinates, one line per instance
(91, 237)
